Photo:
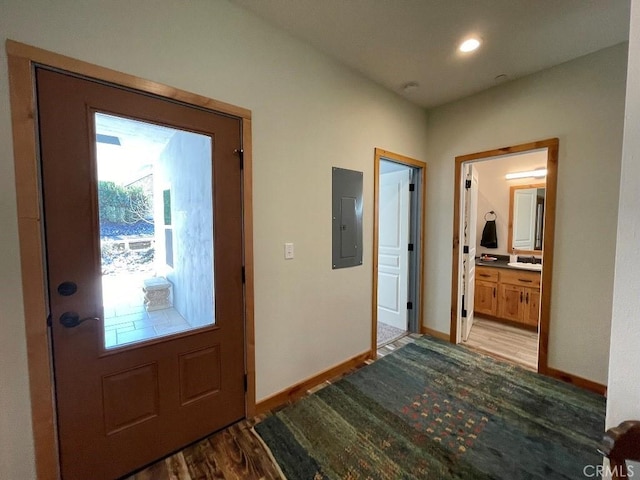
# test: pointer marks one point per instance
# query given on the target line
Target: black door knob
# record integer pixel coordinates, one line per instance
(72, 319)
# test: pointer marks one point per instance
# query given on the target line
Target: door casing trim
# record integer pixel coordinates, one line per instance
(379, 155)
(549, 234)
(22, 60)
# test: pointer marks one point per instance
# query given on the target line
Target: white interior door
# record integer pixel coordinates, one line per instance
(393, 256)
(524, 218)
(470, 221)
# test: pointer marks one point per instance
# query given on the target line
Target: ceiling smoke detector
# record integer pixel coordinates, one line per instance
(410, 87)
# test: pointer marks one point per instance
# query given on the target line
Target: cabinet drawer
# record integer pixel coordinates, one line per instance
(519, 277)
(487, 274)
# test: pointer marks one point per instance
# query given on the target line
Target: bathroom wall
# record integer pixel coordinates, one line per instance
(494, 192)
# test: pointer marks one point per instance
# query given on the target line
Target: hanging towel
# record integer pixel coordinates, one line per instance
(489, 235)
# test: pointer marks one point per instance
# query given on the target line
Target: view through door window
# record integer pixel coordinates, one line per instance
(156, 229)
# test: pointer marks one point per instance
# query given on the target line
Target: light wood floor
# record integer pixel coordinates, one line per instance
(235, 452)
(504, 341)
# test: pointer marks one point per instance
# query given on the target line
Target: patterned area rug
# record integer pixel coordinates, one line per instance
(435, 411)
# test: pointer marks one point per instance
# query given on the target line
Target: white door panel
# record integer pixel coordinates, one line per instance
(524, 218)
(389, 261)
(389, 288)
(469, 232)
(393, 256)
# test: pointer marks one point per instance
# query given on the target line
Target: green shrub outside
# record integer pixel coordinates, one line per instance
(118, 204)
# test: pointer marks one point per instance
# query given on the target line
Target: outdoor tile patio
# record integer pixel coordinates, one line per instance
(126, 320)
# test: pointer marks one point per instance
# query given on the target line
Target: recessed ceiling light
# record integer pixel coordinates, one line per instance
(469, 45)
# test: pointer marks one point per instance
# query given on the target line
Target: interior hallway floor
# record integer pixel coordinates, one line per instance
(388, 333)
(235, 452)
(505, 341)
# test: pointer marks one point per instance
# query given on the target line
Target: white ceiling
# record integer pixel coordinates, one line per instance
(394, 42)
(140, 144)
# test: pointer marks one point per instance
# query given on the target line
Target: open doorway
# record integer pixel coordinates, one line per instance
(504, 219)
(398, 246)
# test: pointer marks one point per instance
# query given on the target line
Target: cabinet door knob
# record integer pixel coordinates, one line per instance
(520, 297)
(494, 292)
(527, 297)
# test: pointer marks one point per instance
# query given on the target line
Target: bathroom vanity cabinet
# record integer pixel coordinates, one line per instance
(509, 295)
(486, 291)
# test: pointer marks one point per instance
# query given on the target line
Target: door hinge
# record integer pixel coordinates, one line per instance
(411, 247)
(464, 310)
(409, 305)
(240, 153)
(464, 314)
(465, 249)
(412, 187)
(467, 184)
(244, 276)
(246, 382)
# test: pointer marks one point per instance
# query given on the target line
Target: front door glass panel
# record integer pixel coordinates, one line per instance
(156, 229)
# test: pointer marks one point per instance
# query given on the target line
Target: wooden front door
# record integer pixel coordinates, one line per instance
(144, 265)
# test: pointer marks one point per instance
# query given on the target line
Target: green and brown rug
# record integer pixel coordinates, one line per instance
(435, 411)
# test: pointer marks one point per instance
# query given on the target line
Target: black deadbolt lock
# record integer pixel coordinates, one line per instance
(67, 288)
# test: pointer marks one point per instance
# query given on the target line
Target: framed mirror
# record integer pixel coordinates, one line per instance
(526, 219)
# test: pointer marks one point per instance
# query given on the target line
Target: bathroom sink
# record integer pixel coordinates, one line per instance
(526, 266)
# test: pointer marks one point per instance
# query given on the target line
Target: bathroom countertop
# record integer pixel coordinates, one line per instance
(500, 263)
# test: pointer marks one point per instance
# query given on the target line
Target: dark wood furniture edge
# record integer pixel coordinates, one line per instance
(619, 444)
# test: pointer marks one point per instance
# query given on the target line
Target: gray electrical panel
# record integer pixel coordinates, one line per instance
(347, 218)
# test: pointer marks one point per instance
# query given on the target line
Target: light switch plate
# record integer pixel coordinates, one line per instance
(288, 251)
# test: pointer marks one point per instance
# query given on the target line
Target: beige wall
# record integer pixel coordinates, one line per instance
(581, 103)
(309, 114)
(623, 402)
